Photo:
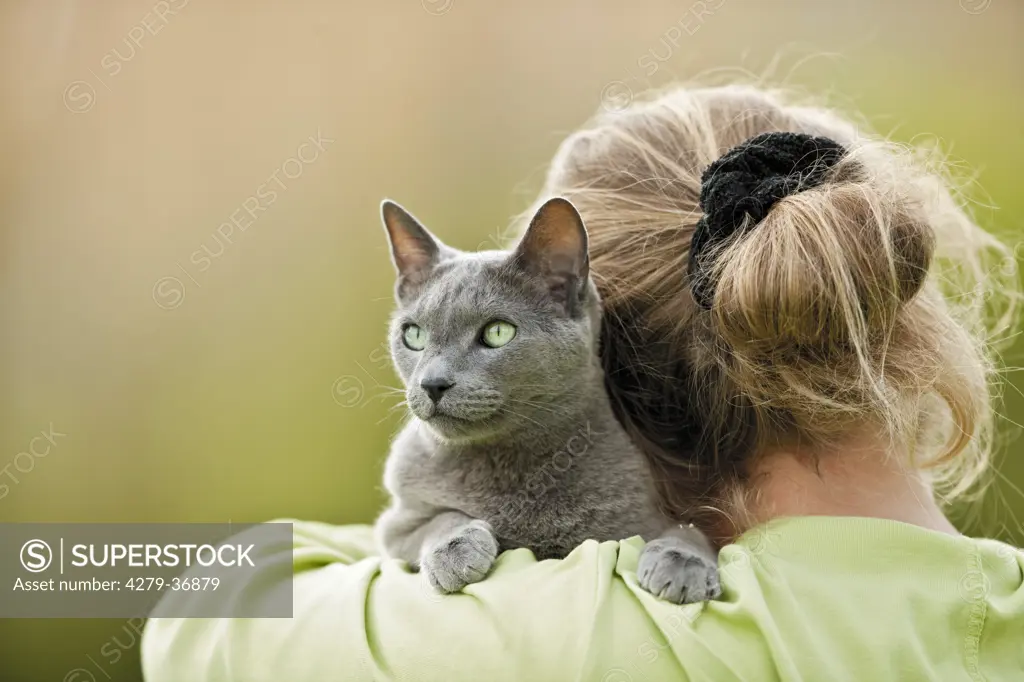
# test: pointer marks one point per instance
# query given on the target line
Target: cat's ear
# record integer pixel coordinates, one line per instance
(554, 249)
(414, 251)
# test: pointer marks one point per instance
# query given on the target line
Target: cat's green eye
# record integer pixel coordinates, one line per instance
(414, 337)
(497, 334)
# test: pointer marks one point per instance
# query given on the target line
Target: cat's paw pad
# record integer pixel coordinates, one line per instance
(462, 558)
(674, 571)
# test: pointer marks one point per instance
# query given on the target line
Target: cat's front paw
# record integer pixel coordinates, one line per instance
(671, 569)
(464, 557)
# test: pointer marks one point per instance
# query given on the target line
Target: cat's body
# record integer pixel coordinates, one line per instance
(513, 442)
(548, 491)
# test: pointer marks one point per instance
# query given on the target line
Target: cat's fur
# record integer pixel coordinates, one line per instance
(523, 449)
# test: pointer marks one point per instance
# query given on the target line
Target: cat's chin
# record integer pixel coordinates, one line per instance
(460, 430)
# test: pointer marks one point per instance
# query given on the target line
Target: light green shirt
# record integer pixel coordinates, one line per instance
(818, 599)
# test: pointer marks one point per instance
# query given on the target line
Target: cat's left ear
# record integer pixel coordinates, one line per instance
(554, 249)
(414, 251)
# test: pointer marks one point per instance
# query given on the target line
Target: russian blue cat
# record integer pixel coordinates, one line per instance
(512, 441)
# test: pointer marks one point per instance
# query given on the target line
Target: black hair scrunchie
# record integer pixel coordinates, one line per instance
(747, 181)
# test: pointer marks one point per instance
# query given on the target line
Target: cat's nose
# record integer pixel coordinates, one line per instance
(435, 388)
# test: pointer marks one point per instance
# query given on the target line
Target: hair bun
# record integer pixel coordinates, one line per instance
(746, 182)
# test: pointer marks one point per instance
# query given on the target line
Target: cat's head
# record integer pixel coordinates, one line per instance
(497, 340)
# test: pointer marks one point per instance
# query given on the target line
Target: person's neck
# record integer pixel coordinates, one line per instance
(860, 479)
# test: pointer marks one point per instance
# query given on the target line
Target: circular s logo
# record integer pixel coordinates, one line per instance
(348, 391)
(79, 675)
(616, 96)
(169, 292)
(79, 97)
(437, 7)
(974, 587)
(975, 6)
(36, 556)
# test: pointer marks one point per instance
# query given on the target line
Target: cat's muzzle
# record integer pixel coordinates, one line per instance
(459, 403)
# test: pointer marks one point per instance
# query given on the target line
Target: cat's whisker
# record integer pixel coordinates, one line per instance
(521, 416)
(385, 417)
(547, 400)
(389, 389)
(551, 409)
(552, 398)
(390, 394)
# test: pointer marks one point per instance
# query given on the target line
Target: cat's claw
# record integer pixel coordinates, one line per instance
(462, 558)
(671, 569)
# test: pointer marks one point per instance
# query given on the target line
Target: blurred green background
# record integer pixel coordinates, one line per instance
(199, 378)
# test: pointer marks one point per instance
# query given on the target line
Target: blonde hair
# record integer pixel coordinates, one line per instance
(870, 302)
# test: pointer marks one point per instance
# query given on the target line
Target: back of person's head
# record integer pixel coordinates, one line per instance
(867, 303)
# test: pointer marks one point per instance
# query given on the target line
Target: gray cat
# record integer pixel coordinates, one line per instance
(513, 442)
